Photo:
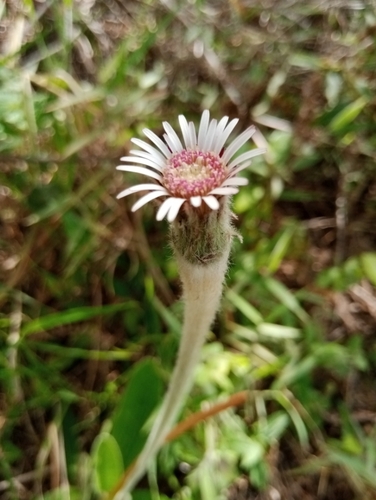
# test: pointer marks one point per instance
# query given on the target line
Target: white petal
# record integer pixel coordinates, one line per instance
(196, 201)
(238, 143)
(145, 199)
(141, 187)
(221, 139)
(170, 144)
(211, 202)
(143, 161)
(158, 142)
(235, 181)
(241, 167)
(246, 156)
(147, 147)
(185, 131)
(173, 136)
(203, 129)
(218, 133)
(192, 133)
(165, 208)
(174, 210)
(161, 162)
(224, 191)
(140, 170)
(210, 135)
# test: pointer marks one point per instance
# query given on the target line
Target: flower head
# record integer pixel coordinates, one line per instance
(200, 170)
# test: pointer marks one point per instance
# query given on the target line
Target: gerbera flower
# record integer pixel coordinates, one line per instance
(200, 170)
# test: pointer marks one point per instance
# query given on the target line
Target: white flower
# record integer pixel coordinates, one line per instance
(198, 170)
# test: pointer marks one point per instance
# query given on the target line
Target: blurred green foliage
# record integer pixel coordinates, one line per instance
(88, 290)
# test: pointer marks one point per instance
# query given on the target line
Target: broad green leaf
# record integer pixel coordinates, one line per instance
(108, 461)
(135, 407)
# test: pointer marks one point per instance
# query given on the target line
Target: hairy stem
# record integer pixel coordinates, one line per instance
(202, 246)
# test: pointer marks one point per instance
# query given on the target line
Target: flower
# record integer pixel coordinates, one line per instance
(199, 170)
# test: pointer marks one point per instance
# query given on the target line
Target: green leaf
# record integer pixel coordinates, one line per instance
(347, 114)
(84, 353)
(333, 87)
(278, 331)
(73, 315)
(62, 493)
(248, 198)
(75, 231)
(295, 371)
(280, 249)
(275, 426)
(174, 325)
(305, 60)
(252, 452)
(283, 294)
(81, 142)
(245, 307)
(354, 465)
(142, 495)
(108, 461)
(147, 495)
(368, 262)
(296, 419)
(134, 408)
(279, 143)
(71, 447)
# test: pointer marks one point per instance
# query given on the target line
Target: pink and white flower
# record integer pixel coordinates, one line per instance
(196, 170)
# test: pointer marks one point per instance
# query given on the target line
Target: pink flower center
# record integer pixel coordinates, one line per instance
(193, 173)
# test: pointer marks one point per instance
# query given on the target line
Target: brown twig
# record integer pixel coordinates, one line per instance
(235, 400)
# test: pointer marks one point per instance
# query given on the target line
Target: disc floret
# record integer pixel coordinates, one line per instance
(193, 173)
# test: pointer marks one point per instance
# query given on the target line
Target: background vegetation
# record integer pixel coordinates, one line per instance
(89, 316)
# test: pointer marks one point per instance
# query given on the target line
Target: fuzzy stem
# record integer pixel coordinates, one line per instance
(202, 289)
